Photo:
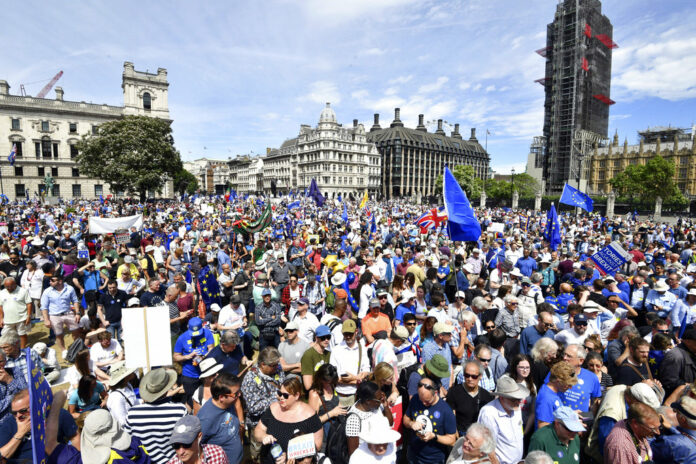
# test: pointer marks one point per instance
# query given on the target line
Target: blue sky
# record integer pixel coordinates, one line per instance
(244, 75)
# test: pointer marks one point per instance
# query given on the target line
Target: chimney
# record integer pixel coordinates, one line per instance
(455, 133)
(421, 126)
(59, 93)
(439, 127)
(4, 88)
(473, 135)
(397, 118)
(376, 125)
(355, 123)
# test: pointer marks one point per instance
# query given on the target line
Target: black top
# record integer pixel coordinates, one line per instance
(113, 305)
(626, 375)
(466, 407)
(284, 432)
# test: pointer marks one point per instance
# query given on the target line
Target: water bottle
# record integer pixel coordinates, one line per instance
(276, 451)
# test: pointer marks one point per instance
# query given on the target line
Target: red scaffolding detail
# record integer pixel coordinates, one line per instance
(541, 81)
(606, 41)
(585, 64)
(588, 30)
(604, 99)
(543, 51)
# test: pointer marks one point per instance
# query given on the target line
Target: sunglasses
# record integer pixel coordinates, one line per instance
(472, 376)
(548, 325)
(176, 446)
(426, 386)
(284, 395)
(581, 323)
(490, 327)
(21, 412)
(383, 297)
(589, 348)
(324, 338)
(484, 360)
(410, 323)
(290, 330)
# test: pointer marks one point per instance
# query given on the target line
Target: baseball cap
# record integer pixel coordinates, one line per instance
(374, 303)
(349, 326)
(322, 331)
(303, 301)
(215, 308)
(580, 318)
(401, 332)
(569, 418)
(195, 325)
(645, 394)
(460, 294)
(186, 430)
(265, 292)
(441, 327)
(292, 325)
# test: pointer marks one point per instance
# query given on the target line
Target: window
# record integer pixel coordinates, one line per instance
(15, 124)
(19, 171)
(76, 190)
(41, 171)
(602, 164)
(54, 171)
(147, 101)
(18, 146)
(73, 151)
(55, 191)
(19, 191)
(95, 130)
(98, 190)
(682, 172)
(44, 126)
(46, 148)
(73, 127)
(55, 150)
(37, 146)
(75, 172)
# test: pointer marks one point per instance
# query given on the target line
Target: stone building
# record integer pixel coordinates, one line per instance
(669, 142)
(341, 159)
(246, 174)
(45, 131)
(213, 175)
(412, 159)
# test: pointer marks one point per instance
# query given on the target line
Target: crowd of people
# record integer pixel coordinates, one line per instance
(345, 334)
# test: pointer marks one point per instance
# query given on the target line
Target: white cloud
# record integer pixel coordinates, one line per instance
(490, 88)
(322, 92)
(359, 94)
(339, 11)
(373, 52)
(391, 91)
(401, 79)
(506, 168)
(435, 86)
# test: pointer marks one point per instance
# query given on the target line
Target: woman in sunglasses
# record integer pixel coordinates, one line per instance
(286, 418)
(370, 401)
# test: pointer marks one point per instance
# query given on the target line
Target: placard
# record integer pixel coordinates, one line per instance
(496, 227)
(302, 446)
(610, 258)
(147, 337)
(122, 237)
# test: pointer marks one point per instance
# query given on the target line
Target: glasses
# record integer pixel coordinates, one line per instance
(490, 327)
(581, 323)
(410, 323)
(290, 330)
(383, 297)
(471, 376)
(484, 360)
(548, 325)
(20, 412)
(666, 331)
(513, 304)
(176, 446)
(284, 395)
(589, 348)
(324, 338)
(426, 386)
(653, 430)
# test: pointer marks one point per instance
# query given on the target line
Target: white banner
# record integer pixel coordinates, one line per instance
(147, 337)
(99, 225)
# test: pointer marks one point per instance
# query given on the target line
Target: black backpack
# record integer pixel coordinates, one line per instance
(402, 383)
(337, 441)
(77, 346)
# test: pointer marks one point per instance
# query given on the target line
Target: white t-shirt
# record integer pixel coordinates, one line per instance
(230, 317)
(308, 325)
(100, 354)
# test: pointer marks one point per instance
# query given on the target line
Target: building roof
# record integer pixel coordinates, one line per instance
(419, 137)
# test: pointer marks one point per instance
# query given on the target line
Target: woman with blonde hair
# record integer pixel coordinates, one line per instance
(544, 353)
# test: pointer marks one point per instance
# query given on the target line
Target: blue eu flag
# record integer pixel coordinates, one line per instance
(462, 224)
(40, 398)
(574, 197)
(553, 229)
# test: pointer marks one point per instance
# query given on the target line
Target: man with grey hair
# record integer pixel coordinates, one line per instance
(15, 309)
(678, 444)
(229, 353)
(9, 385)
(538, 457)
(476, 446)
(507, 318)
(16, 359)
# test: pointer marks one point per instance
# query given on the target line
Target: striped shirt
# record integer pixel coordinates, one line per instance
(153, 425)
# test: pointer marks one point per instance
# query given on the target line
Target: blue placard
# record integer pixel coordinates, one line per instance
(610, 258)
(40, 398)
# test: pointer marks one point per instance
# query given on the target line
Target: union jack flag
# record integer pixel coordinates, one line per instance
(432, 218)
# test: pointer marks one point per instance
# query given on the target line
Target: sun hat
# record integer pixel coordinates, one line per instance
(149, 248)
(156, 383)
(260, 265)
(401, 332)
(661, 286)
(208, 367)
(338, 279)
(516, 272)
(128, 259)
(322, 331)
(118, 372)
(438, 366)
(292, 325)
(570, 419)
(692, 292)
(376, 431)
(645, 394)
(185, 430)
(100, 434)
(441, 327)
(592, 307)
(195, 325)
(507, 387)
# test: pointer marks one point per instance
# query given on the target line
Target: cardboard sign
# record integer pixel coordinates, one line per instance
(121, 237)
(496, 227)
(610, 258)
(147, 337)
(302, 446)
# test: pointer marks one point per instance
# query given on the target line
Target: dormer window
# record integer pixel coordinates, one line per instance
(147, 101)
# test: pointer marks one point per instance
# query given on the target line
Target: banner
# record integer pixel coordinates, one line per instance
(147, 337)
(40, 398)
(98, 225)
(122, 238)
(610, 258)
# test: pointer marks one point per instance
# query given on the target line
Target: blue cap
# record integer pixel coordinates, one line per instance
(569, 418)
(303, 301)
(195, 325)
(265, 292)
(322, 331)
(580, 318)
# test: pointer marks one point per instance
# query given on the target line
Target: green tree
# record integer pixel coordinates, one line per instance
(526, 185)
(467, 180)
(647, 182)
(185, 182)
(132, 154)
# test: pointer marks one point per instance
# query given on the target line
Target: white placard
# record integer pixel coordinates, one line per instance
(496, 227)
(302, 446)
(147, 342)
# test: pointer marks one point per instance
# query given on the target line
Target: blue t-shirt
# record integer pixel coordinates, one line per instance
(547, 402)
(230, 361)
(437, 418)
(8, 429)
(221, 427)
(401, 310)
(526, 265)
(90, 405)
(443, 270)
(185, 345)
(578, 397)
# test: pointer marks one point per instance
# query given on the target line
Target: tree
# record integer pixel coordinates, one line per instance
(526, 185)
(185, 182)
(467, 180)
(132, 154)
(647, 182)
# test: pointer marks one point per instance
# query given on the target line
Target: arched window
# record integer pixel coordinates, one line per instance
(147, 101)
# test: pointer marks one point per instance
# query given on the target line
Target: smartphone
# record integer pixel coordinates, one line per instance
(344, 375)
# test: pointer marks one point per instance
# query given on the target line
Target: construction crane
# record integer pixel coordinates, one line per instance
(49, 86)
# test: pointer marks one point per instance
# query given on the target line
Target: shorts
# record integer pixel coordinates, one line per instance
(20, 327)
(67, 319)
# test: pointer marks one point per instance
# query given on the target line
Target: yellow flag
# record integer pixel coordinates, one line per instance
(364, 200)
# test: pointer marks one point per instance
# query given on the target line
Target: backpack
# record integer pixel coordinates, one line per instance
(337, 441)
(330, 300)
(77, 346)
(402, 383)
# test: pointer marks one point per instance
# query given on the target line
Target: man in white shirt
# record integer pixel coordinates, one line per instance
(233, 315)
(504, 418)
(351, 362)
(306, 321)
(106, 352)
(576, 334)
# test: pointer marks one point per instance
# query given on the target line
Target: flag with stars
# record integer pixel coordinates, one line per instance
(209, 287)
(574, 197)
(655, 358)
(553, 229)
(40, 398)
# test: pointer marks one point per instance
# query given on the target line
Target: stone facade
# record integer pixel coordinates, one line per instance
(212, 175)
(670, 143)
(341, 159)
(45, 132)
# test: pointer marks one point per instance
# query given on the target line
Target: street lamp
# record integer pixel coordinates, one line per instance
(512, 193)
